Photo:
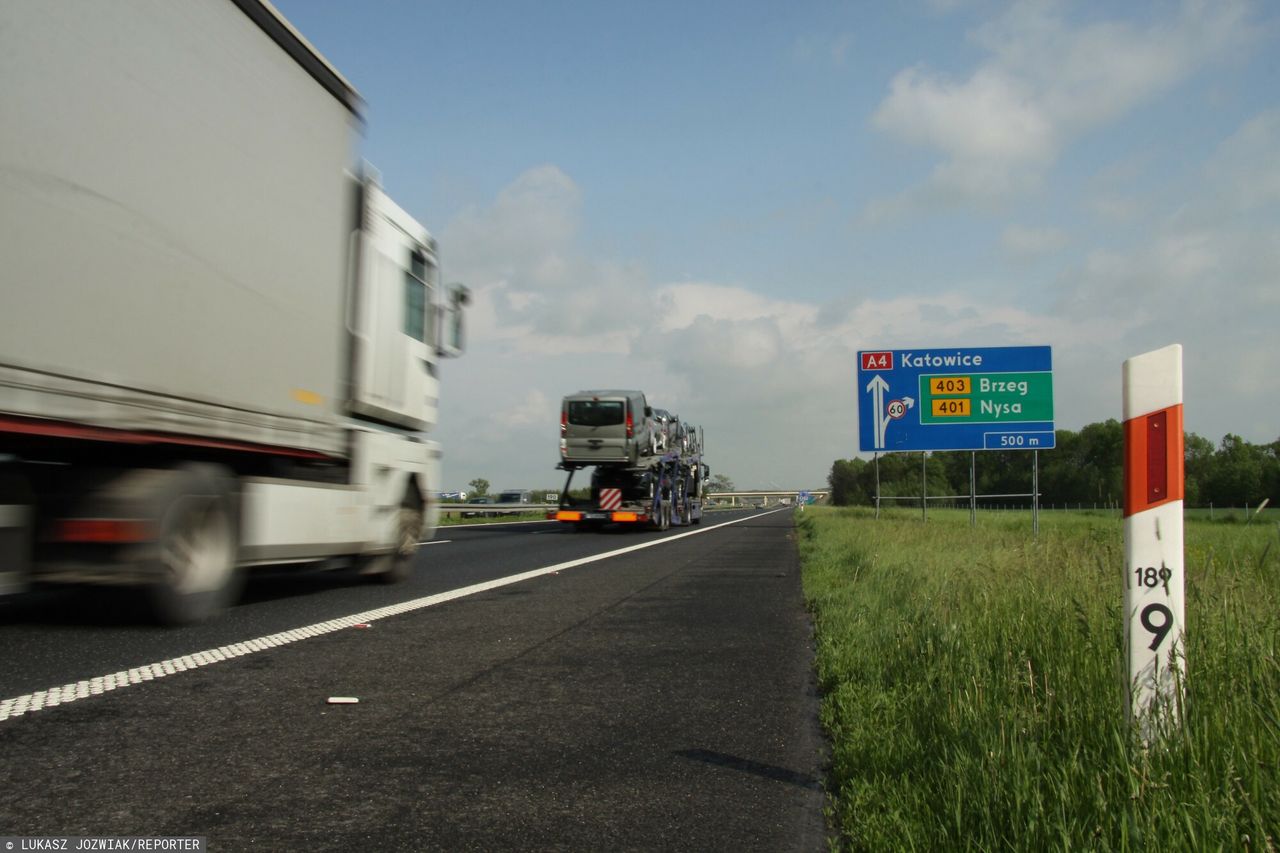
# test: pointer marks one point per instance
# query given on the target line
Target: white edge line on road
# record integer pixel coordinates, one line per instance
(67, 693)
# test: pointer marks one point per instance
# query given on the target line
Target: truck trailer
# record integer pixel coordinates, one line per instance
(646, 465)
(219, 338)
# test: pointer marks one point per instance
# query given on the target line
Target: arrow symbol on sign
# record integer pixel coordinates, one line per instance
(909, 402)
(877, 386)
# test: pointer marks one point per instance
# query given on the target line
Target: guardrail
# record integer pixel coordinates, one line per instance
(448, 510)
(491, 510)
(765, 497)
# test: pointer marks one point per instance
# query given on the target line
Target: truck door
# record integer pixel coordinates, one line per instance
(393, 324)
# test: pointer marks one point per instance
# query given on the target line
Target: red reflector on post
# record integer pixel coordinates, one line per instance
(101, 531)
(1157, 457)
(1153, 460)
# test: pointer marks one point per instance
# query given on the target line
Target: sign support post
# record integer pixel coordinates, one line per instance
(877, 462)
(973, 489)
(1154, 595)
(1035, 493)
(924, 485)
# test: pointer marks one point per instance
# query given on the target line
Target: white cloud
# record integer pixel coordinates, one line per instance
(1044, 83)
(534, 220)
(685, 302)
(1116, 208)
(993, 116)
(536, 293)
(534, 410)
(1025, 242)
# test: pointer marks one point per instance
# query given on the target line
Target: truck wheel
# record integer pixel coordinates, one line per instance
(194, 554)
(17, 519)
(397, 566)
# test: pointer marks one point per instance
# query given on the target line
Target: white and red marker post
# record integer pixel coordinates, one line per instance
(1154, 595)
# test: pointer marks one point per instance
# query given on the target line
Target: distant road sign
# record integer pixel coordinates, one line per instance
(987, 398)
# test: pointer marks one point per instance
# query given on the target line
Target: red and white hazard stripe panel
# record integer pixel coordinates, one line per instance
(610, 498)
(1153, 541)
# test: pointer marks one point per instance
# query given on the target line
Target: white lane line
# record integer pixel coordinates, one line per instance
(68, 693)
(436, 542)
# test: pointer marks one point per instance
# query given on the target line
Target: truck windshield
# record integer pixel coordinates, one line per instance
(595, 413)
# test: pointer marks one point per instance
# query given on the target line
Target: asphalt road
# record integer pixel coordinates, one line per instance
(657, 699)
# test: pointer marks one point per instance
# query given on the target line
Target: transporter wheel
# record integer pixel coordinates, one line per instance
(397, 566)
(193, 557)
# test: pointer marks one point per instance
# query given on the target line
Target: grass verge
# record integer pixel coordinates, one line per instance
(973, 686)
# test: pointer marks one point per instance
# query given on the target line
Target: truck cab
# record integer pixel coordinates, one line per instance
(221, 339)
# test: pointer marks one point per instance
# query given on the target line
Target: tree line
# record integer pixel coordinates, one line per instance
(1085, 468)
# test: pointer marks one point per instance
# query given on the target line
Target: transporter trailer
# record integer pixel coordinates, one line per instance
(661, 492)
(647, 464)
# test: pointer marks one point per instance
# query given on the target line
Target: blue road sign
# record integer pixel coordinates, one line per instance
(986, 398)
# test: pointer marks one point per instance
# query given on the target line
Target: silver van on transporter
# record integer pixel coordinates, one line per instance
(606, 426)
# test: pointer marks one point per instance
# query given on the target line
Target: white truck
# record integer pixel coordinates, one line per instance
(647, 466)
(219, 338)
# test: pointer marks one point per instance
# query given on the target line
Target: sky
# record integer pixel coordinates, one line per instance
(720, 203)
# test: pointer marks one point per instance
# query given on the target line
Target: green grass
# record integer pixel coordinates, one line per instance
(973, 686)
